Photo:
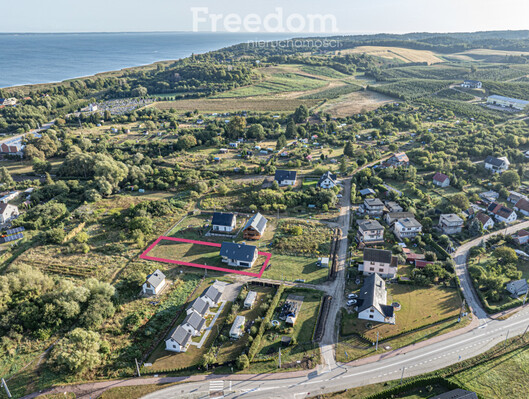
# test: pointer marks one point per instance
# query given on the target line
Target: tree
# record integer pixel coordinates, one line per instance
(301, 114)
(186, 142)
(460, 200)
(291, 131)
(343, 165)
(41, 167)
(256, 132)
(506, 255)
(235, 127)
(5, 177)
(243, 362)
(510, 178)
(139, 91)
(348, 149)
(281, 142)
(78, 351)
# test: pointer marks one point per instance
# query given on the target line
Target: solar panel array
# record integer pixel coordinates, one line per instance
(15, 230)
(13, 237)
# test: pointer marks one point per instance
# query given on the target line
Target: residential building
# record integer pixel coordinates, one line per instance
(13, 147)
(502, 213)
(521, 237)
(194, 324)
(497, 165)
(250, 299)
(392, 217)
(212, 296)
(240, 255)
(450, 223)
(373, 207)
(441, 180)
(379, 261)
(472, 84)
(407, 228)
(517, 288)
(9, 197)
(489, 196)
(486, 220)
(327, 180)
(8, 101)
(397, 159)
(223, 222)
(367, 191)
(393, 206)
(522, 206)
(292, 308)
(514, 197)
(421, 263)
(255, 227)
(372, 301)
(8, 212)
(285, 177)
(178, 340)
(370, 232)
(154, 283)
(199, 306)
(237, 328)
(507, 102)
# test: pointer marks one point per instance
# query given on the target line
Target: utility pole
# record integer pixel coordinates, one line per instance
(279, 358)
(376, 347)
(4, 384)
(506, 337)
(402, 376)
(137, 367)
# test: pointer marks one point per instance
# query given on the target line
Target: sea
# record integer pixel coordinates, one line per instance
(30, 58)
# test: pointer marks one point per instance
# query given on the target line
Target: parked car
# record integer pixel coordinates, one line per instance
(339, 196)
(351, 302)
(352, 296)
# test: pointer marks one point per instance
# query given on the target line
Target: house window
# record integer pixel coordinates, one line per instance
(372, 269)
(174, 346)
(372, 310)
(371, 316)
(372, 263)
(380, 270)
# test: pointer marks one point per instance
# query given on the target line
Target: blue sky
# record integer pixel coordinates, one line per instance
(350, 16)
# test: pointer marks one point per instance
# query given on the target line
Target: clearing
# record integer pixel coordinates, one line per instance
(402, 54)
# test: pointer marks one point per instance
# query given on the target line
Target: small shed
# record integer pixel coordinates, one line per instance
(237, 328)
(250, 299)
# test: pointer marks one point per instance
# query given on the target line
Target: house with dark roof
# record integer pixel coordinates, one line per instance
(379, 261)
(472, 84)
(373, 207)
(392, 217)
(372, 301)
(223, 222)
(255, 227)
(8, 212)
(517, 288)
(522, 206)
(194, 324)
(240, 255)
(441, 180)
(392, 206)
(154, 283)
(212, 295)
(514, 197)
(367, 191)
(199, 306)
(285, 177)
(327, 180)
(397, 159)
(496, 165)
(178, 340)
(486, 220)
(370, 232)
(502, 213)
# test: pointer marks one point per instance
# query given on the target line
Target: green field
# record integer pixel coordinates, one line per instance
(333, 92)
(323, 71)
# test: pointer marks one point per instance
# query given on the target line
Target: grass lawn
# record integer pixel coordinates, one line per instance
(504, 377)
(312, 238)
(290, 268)
(130, 392)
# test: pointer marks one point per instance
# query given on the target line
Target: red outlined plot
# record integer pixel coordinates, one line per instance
(145, 255)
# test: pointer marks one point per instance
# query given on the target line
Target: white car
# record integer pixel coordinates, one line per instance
(351, 302)
(339, 196)
(352, 296)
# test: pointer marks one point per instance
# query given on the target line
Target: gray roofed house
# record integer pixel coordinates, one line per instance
(238, 254)
(517, 288)
(367, 191)
(285, 177)
(372, 301)
(373, 206)
(497, 165)
(212, 295)
(154, 283)
(380, 261)
(457, 394)
(178, 340)
(392, 217)
(194, 323)
(370, 231)
(450, 223)
(407, 227)
(327, 180)
(199, 306)
(223, 221)
(255, 227)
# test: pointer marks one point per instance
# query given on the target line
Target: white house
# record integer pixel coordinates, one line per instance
(514, 197)
(502, 213)
(472, 84)
(212, 296)
(285, 177)
(486, 220)
(517, 288)
(521, 237)
(250, 299)
(9, 197)
(237, 328)
(178, 340)
(450, 223)
(8, 212)
(521, 206)
(392, 217)
(154, 283)
(407, 228)
(372, 301)
(327, 180)
(240, 255)
(507, 102)
(223, 222)
(497, 165)
(199, 306)
(379, 261)
(370, 232)
(194, 324)
(441, 180)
